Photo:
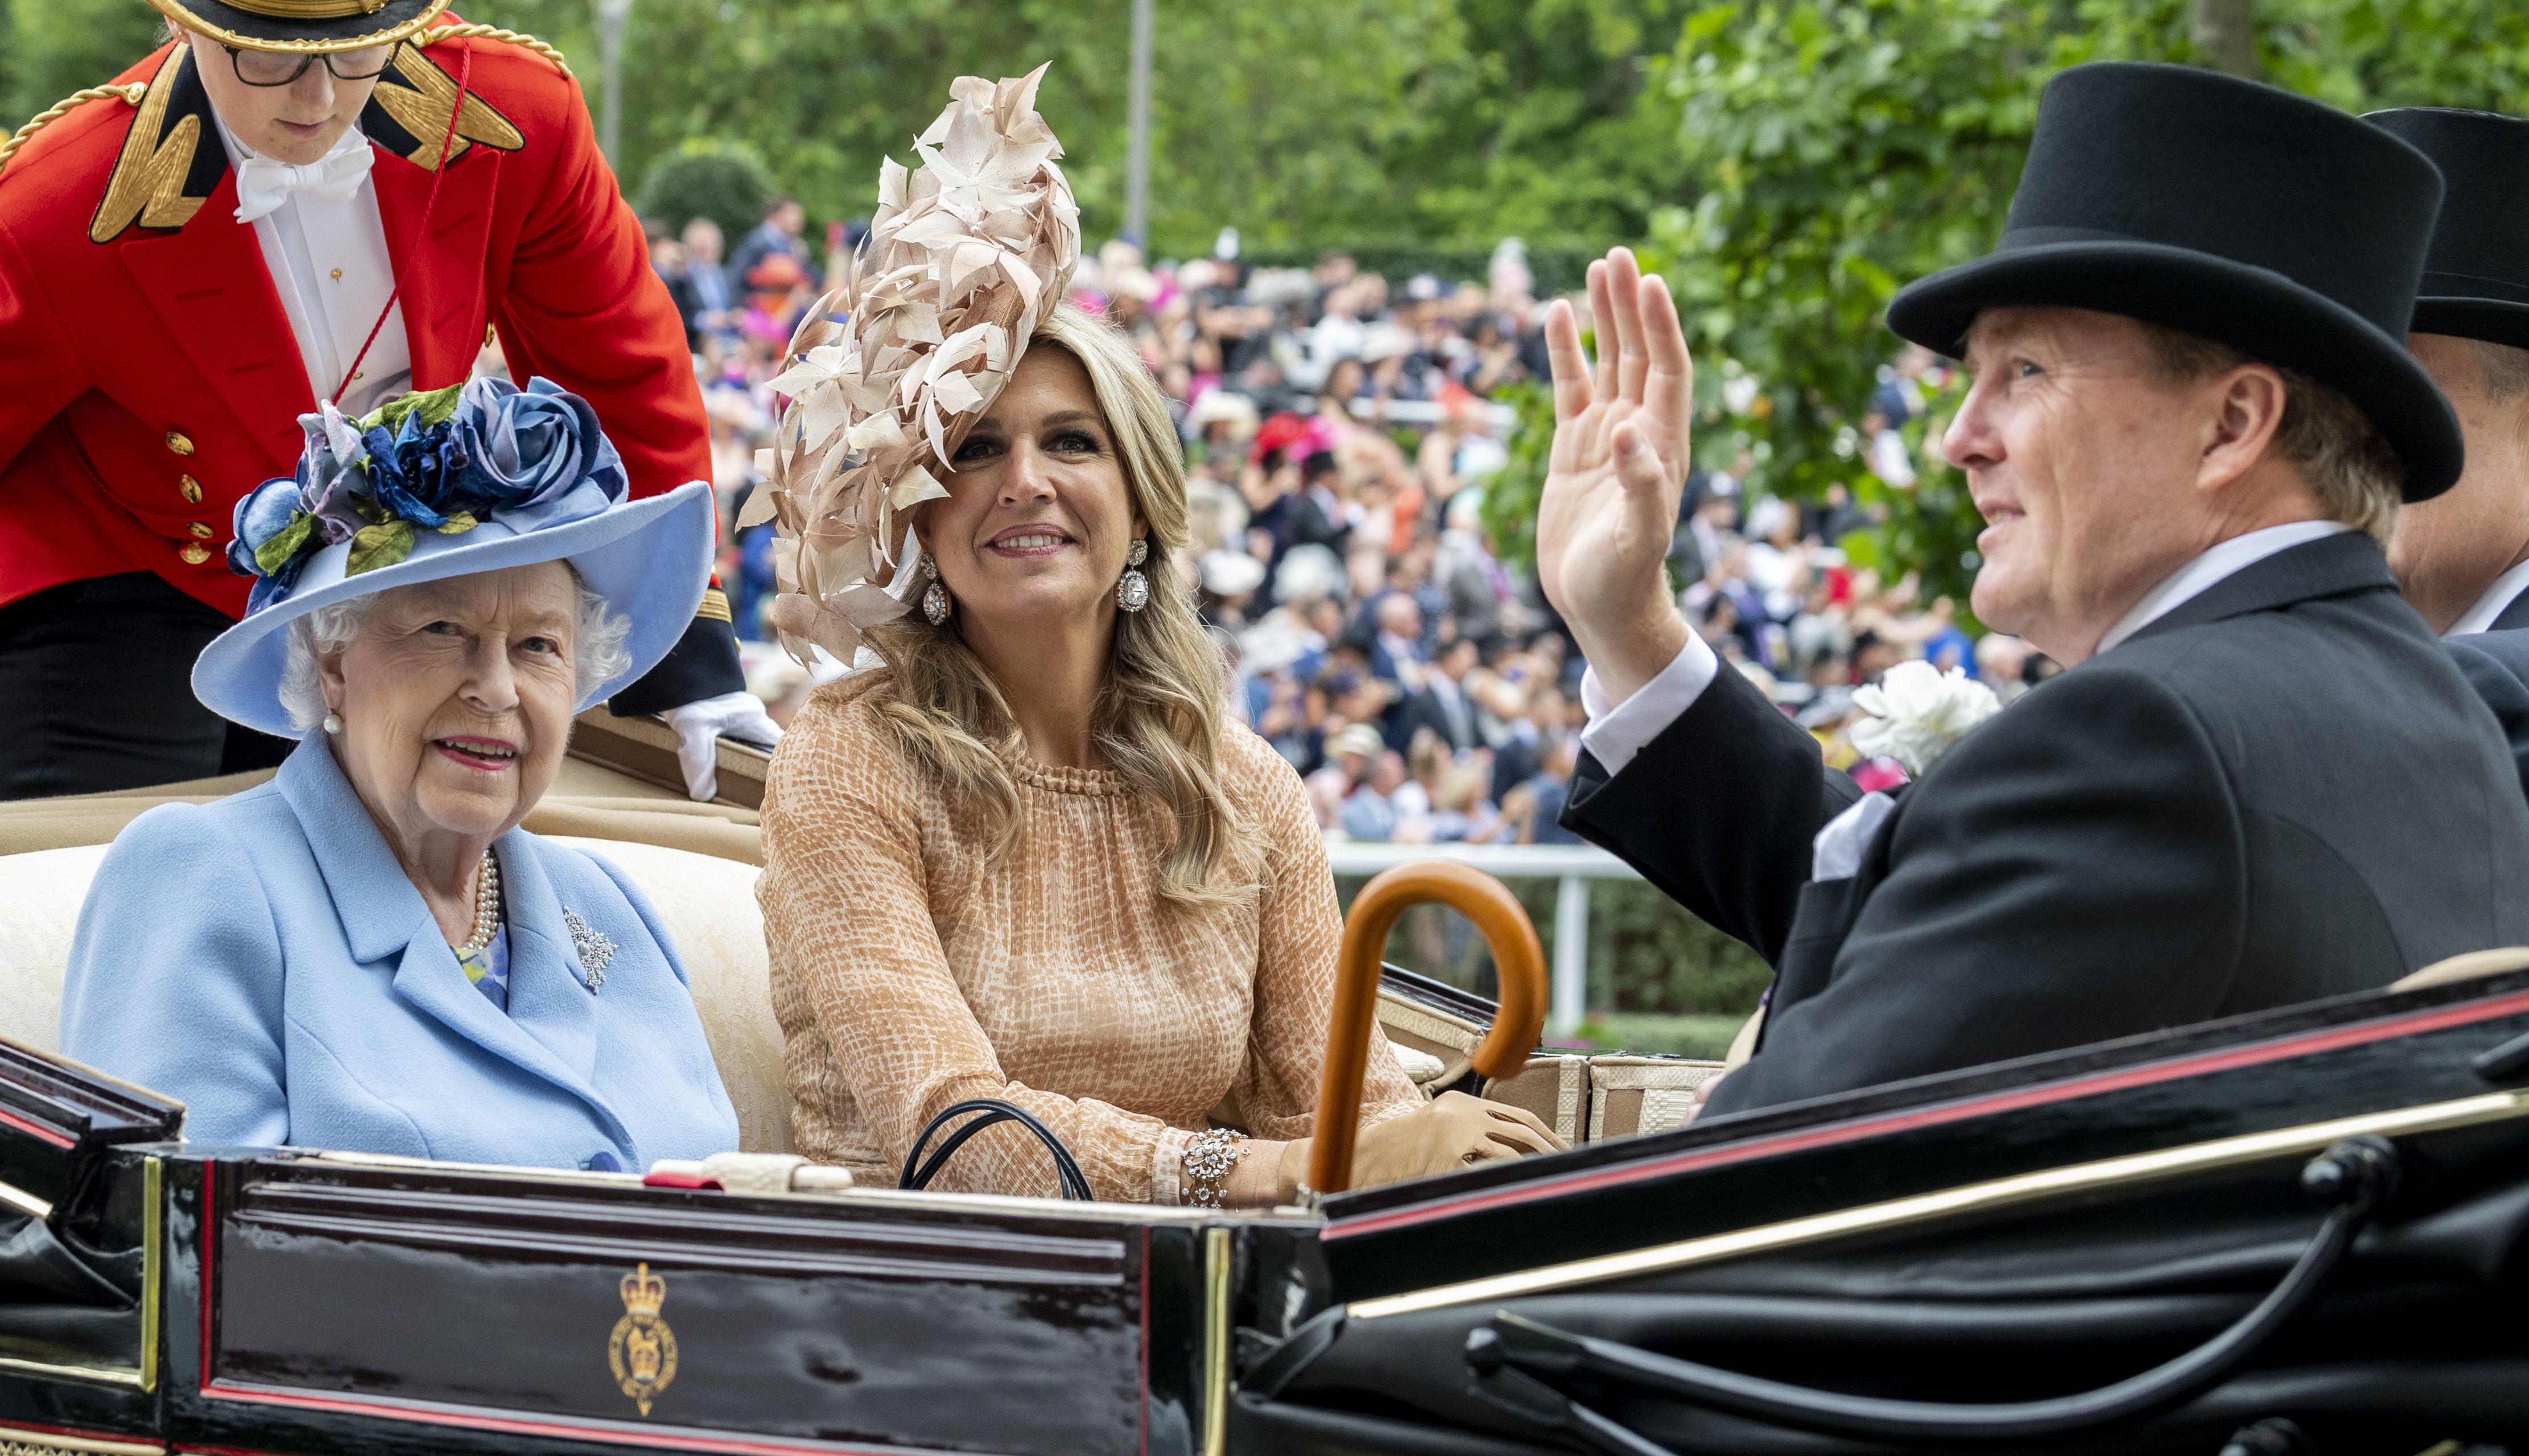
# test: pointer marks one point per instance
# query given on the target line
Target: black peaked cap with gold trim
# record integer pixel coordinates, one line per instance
(303, 25)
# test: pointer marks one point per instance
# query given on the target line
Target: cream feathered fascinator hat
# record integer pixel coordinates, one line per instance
(888, 373)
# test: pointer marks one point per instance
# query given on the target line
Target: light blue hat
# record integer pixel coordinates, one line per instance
(458, 481)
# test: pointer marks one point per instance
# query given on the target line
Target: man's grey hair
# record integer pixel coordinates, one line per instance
(2339, 450)
(599, 653)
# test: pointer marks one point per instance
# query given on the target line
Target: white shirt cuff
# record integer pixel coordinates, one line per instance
(1615, 735)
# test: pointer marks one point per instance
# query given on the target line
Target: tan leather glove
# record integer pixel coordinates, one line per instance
(1450, 1132)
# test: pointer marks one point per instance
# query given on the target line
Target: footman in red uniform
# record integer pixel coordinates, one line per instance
(292, 200)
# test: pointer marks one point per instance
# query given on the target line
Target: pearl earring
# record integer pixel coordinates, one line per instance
(333, 722)
(1133, 591)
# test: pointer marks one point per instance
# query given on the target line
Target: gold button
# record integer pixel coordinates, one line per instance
(177, 441)
(190, 488)
(338, 275)
(359, 374)
(195, 553)
(200, 531)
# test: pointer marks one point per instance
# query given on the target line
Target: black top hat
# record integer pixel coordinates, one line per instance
(2230, 210)
(307, 26)
(2476, 278)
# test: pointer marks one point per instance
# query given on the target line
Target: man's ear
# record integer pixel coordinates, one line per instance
(2247, 403)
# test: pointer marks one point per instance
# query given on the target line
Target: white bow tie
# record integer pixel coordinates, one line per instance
(263, 184)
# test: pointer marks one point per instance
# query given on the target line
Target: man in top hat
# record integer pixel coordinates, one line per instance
(2193, 420)
(2462, 558)
(290, 201)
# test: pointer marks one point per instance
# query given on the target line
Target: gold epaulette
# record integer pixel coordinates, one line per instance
(129, 95)
(432, 36)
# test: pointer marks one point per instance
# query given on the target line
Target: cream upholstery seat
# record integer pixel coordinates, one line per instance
(38, 910)
(708, 904)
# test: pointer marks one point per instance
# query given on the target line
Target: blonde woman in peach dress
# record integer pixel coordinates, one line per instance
(1029, 857)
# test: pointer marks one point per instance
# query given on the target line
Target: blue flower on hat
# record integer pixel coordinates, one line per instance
(329, 472)
(416, 458)
(269, 526)
(526, 449)
(262, 513)
(440, 460)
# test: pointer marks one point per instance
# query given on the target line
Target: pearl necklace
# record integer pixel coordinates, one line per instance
(487, 907)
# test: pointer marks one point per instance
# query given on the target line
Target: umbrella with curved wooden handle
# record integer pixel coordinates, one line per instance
(1517, 956)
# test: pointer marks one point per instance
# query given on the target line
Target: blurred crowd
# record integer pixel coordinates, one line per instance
(1340, 428)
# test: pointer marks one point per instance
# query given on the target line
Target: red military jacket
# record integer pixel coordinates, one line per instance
(149, 376)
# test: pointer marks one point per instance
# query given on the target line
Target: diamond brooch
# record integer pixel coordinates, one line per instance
(595, 948)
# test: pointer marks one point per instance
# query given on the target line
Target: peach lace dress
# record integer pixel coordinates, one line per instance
(907, 977)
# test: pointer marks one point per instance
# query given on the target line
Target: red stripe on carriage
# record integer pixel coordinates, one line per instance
(2144, 1075)
(625, 1435)
(203, 1280)
(52, 1135)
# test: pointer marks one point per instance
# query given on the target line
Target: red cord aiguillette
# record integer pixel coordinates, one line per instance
(421, 233)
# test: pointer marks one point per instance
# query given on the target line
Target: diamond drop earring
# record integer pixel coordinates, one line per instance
(935, 598)
(1133, 591)
(333, 722)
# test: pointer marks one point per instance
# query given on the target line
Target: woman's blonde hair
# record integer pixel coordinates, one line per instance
(1158, 720)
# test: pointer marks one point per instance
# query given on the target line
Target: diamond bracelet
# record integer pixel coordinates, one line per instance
(1207, 1161)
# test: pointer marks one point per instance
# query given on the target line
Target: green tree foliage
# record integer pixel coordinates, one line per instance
(1511, 496)
(723, 181)
(1848, 145)
(1304, 123)
(1551, 126)
(1278, 119)
(1843, 147)
(48, 49)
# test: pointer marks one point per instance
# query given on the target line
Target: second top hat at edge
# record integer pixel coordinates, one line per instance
(2476, 278)
(2235, 211)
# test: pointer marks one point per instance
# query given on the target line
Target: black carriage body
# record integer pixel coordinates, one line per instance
(2014, 1232)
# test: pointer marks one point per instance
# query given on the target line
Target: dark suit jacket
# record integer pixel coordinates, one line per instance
(2280, 790)
(2496, 662)
(1382, 663)
(689, 306)
(1423, 709)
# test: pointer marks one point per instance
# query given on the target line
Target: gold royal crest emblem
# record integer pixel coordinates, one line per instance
(642, 1350)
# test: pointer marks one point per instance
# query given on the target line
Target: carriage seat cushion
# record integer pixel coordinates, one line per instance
(707, 902)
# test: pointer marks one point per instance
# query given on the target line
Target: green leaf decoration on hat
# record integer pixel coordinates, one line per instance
(458, 524)
(374, 547)
(435, 408)
(272, 554)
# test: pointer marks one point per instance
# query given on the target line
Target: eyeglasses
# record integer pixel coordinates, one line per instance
(266, 68)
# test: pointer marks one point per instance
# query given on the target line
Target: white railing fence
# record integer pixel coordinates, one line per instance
(1572, 865)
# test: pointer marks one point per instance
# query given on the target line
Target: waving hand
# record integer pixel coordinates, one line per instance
(1615, 474)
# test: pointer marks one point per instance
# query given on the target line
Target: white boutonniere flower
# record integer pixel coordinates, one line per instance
(1917, 713)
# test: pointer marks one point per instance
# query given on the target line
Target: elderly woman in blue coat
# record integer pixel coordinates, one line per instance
(367, 953)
